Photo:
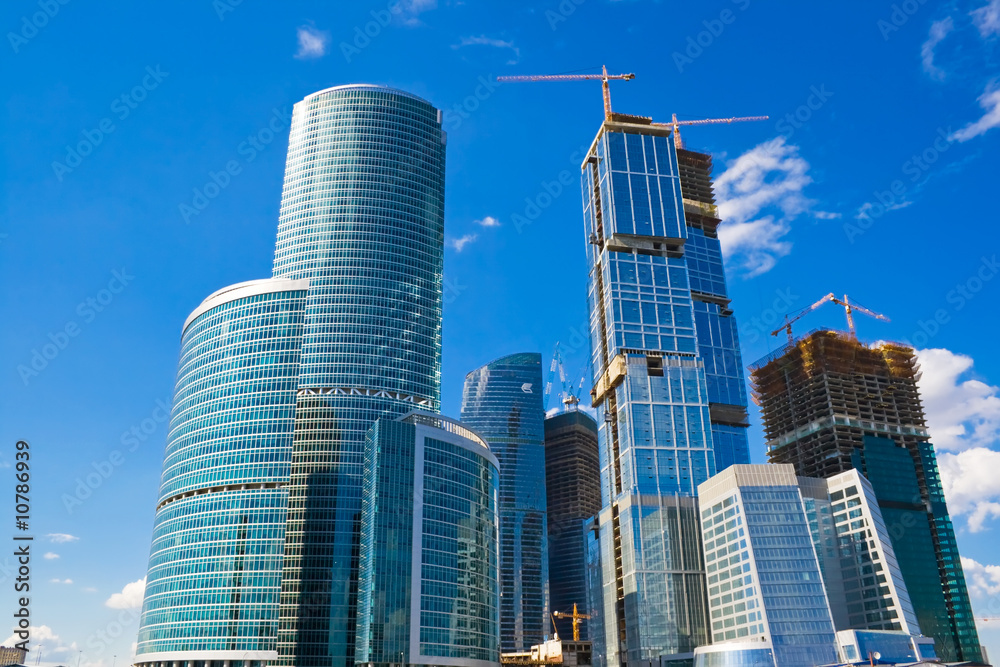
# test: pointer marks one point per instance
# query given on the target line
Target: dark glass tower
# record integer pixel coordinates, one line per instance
(362, 218)
(502, 401)
(572, 495)
(832, 404)
(668, 383)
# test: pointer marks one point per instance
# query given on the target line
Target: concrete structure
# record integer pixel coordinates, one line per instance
(502, 401)
(765, 589)
(281, 379)
(831, 404)
(428, 592)
(11, 656)
(573, 495)
(668, 384)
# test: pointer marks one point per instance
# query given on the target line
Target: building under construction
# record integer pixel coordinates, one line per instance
(831, 404)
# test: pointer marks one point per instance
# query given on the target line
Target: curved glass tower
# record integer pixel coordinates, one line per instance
(362, 218)
(502, 401)
(215, 562)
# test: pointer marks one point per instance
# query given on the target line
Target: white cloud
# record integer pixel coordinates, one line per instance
(39, 633)
(130, 597)
(61, 538)
(460, 243)
(963, 417)
(312, 43)
(990, 102)
(987, 18)
(826, 215)
(939, 30)
(962, 412)
(488, 221)
(863, 212)
(61, 581)
(410, 10)
(483, 40)
(982, 580)
(89, 589)
(50, 556)
(759, 194)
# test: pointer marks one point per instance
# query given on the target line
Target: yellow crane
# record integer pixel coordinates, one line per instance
(576, 617)
(604, 77)
(849, 308)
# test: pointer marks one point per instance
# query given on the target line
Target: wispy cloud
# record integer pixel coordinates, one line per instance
(939, 30)
(312, 43)
(460, 243)
(130, 597)
(61, 581)
(483, 40)
(987, 18)
(488, 221)
(983, 580)
(963, 417)
(50, 556)
(61, 538)
(990, 102)
(826, 215)
(759, 194)
(410, 10)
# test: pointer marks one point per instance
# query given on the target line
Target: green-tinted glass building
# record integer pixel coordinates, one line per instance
(831, 404)
(428, 592)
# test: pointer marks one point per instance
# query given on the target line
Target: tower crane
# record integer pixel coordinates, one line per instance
(576, 618)
(604, 77)
(571, 396)
(849, 309)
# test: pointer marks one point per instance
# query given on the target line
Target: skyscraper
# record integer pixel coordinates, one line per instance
(572, 495)
(502, 401)
(668, 383)
(765, 590)
(280, 380)
(832, 404)
(218, 537)
(429, 592)
(362, 218)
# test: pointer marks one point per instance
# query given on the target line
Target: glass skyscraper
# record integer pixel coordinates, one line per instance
(279, 382)
(218, 537)
(428, 591)
(668, 383)
(502, 401)
(362, 218)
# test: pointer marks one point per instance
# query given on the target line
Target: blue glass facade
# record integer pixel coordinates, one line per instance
(362, 218)
(668, 382)
(429, 591)
(503, 402)
(216, 558)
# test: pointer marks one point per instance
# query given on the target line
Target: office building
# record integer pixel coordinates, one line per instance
(274, 399)
(215, 563)
(832, 404)
(502, 401)
(764, 580)
(573, 495)
(10, 655)
(428, 592)
(668, 384)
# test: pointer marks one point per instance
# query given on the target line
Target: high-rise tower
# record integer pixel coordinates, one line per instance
(502, 401)
(279, 381)
(832, 404)
(668, 382)
(572, 495)
(362, 218)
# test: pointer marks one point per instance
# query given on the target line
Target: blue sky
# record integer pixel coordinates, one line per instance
(872, 178)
